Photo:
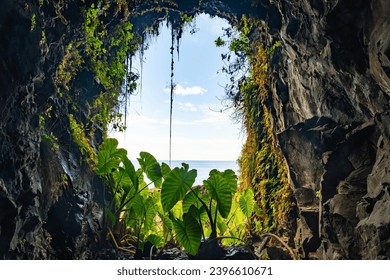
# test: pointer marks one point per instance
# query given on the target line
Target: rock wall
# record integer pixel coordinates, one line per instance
(50, 199)
(47, 195)
(330, 86)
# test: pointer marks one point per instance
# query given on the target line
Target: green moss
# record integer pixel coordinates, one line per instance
(33, 22)
(78, 136)
(51, 140)
(48, 135)
(262, 165)
(69, 66)
(107, 51)
(43, 40)
(101, 48)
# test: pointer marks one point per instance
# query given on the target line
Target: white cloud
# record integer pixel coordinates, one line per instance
(184, 91)
(206, 115)
(187, 106)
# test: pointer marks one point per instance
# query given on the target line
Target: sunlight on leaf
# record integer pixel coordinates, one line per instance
(188, 233)
(175, 186)
(152, 169)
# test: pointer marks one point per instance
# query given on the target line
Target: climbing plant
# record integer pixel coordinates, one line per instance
(131, 207)
(263, 170)
(103, 47)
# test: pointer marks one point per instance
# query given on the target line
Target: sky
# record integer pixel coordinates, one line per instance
(200, 130)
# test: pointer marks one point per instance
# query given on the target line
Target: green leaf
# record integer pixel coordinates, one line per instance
(150, 214)
(165, 169)
(175, 186)
(131, 218)
(190, 199)
(167, 222)
(110, 216)
(231, 179)
(109, 156)
(247, 202)
(221, 224)
(219, 42)
(122, 178)
(185, 166)
(156, 240)
(138, 205)
(198, 214)
(177, 211)
(151, 167)
(188, 233)
(219, 190)
(131, 172)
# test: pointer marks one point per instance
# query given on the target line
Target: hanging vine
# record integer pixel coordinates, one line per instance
(176, 22)
(172, 90)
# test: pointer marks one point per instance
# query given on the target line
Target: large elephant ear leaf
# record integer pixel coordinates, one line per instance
(111, 217)
(151, 168)
(175, 186)
(191, 199)
(137, 203)
(231, 179)
(188, 233)
(165, 169)
(150, 214)
(219, 190)
(109, 156)
(247, 202)
(130, 170)
(156, 240)
(122, 178)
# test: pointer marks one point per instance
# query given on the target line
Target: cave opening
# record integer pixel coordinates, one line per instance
(168, 28)
(87, 80)
(203, 128)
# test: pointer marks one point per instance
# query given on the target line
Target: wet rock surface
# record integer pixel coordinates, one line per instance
(332, 124)
(330, 87)
(47, 196)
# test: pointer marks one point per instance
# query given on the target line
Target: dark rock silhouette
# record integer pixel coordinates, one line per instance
(330, 87)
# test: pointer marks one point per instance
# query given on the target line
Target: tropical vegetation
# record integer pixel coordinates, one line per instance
(159, 205)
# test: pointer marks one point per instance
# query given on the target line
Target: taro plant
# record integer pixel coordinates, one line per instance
(203, 208)
(169, 206)
(130, 209)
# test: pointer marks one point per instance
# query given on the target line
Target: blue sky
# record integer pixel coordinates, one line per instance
(200, 130)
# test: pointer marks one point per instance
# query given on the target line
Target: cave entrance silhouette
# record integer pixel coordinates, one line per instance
(201, 111)
(147, 21)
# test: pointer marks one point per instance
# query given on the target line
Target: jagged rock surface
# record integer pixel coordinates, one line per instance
(330, 90)
(331, 112)
(47, 196)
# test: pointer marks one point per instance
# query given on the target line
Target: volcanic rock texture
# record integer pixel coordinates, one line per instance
(46, 196)
(331, 87)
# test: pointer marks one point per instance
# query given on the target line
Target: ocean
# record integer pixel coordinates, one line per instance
(204, 167)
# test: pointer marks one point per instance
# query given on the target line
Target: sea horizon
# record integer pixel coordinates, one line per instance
(203, 167)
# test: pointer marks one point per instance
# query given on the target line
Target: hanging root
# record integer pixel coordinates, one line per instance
(120, 248)
(293, 255)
